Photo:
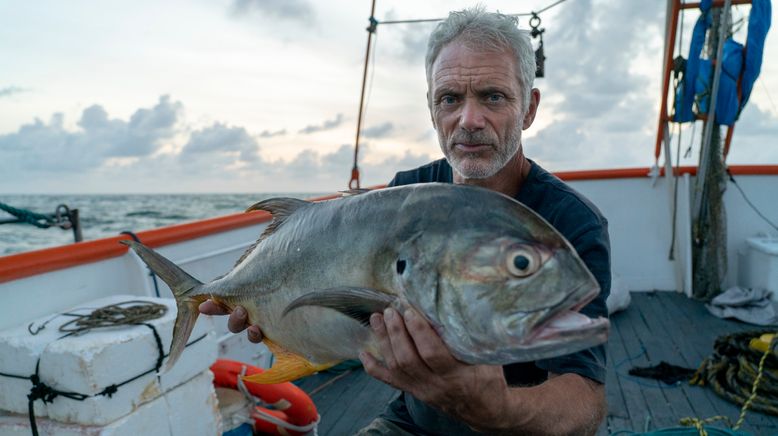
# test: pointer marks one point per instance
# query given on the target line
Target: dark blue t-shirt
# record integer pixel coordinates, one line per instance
(578, 220)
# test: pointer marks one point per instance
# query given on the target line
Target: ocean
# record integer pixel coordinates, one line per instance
(109, 215)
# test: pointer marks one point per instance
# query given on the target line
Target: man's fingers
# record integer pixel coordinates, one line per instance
(238, 320)
(374, 368)
(403, 347)
(430, 346)
(208, 307)
(254, 334)
(379, 327)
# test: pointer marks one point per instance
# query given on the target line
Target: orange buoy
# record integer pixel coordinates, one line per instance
(293, 410)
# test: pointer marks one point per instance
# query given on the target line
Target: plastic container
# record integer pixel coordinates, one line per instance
(759, 264)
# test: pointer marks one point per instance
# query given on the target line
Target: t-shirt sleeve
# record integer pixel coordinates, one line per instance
(593, 246)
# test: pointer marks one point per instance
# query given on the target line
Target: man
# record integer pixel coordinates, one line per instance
(480, 70)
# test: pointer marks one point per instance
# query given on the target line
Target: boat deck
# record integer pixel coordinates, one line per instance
(661, 326)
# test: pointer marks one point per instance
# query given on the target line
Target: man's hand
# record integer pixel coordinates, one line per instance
(236, 323)
(418, 362)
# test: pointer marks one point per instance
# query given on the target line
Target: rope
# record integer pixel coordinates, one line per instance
(27, 216)
(751, 397)
(261, 414)
(758, 212)
(732, 372)
(112, 315)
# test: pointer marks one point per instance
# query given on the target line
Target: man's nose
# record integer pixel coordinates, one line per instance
(472, 116)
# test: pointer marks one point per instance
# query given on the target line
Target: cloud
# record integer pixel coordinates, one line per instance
(334, 168)
(153, 150)
(327, 125)
(49, 146)
(413, 42)
(754, 131)
(269, 134)
(232, 143)
(293, 10)
(598, 97)
(11, 90)
(380, 131)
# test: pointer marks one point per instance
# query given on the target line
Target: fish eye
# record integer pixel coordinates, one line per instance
(400, 266)
(522, 262)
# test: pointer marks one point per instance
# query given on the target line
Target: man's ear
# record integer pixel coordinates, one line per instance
(532, 110)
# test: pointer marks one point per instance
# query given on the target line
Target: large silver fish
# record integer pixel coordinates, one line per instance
(495, 280)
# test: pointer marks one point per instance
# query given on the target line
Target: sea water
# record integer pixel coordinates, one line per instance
(108, 215)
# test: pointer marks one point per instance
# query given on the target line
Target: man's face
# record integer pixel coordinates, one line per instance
(476, 107)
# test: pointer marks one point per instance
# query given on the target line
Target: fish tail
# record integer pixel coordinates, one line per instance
(185, 290)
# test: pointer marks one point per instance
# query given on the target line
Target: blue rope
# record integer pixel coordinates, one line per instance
(28, 216)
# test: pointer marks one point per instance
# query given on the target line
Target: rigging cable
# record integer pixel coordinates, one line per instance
(430, 20)
(748, 201)
(372, 77)
(354, 182)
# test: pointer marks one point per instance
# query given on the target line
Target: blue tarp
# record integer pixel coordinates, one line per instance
(737, 60)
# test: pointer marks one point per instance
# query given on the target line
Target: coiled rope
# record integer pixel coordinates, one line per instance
(740, 374)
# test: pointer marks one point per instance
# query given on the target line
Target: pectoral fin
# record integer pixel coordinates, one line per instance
(286, 367)
(358, 303)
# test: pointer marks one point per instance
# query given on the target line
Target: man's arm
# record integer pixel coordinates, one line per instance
(417, 361)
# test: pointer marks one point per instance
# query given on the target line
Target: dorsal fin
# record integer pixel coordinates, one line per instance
(280, 208)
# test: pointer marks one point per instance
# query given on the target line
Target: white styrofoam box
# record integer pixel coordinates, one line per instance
(89, 362)
(193, 408)
(193, 402)
(759, 264)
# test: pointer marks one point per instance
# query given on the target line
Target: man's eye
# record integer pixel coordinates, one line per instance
(448, 99)
(495, 98)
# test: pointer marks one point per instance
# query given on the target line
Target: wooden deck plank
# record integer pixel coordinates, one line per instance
(364, 400)
(633, 398)
(677, 399)
(677, 353)
(642, 349)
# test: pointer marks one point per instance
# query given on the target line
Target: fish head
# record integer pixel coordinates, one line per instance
(503, 289)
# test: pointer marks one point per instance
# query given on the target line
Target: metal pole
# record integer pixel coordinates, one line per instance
(76, 225)
(671, 26)
(370, 30)
(711, 118)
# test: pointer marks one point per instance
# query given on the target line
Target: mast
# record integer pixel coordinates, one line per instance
(709, 233)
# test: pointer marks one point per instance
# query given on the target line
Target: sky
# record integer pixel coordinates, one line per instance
(262, 95)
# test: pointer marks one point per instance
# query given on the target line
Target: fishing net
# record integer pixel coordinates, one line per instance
(709, 231)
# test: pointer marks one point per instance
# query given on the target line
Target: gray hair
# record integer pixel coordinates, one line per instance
(487, 31)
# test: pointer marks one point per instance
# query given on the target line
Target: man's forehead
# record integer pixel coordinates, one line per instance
(458, 62)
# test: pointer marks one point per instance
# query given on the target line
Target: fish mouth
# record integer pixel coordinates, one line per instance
(564, 321)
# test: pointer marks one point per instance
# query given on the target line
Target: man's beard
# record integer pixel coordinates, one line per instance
(474, 165)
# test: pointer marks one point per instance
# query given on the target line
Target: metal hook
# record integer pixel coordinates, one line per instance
(534, 22)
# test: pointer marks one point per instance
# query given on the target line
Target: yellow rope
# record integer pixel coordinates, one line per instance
(699, 379)
(755, 386)
(699, 424)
